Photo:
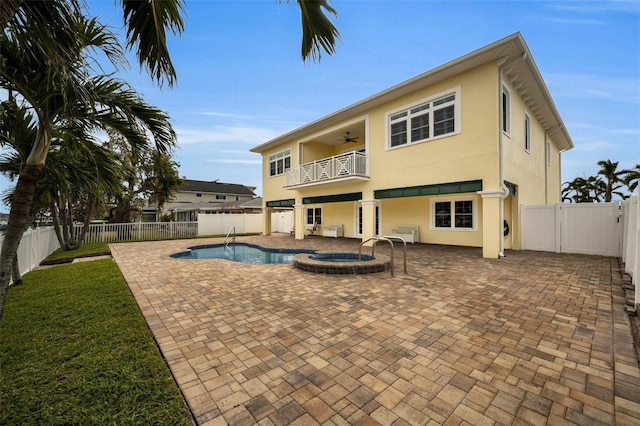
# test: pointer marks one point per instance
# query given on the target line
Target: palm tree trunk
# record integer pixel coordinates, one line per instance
(18, 218)
(56, 223)
(16, 277)
(91, 205)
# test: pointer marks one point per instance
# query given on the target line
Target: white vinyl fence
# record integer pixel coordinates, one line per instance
(35, 246)
(212, 224)
(631, 240)
(282, 221)
(592, 228)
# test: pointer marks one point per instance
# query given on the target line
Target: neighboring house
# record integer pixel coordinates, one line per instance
(197, 196)
(455, 151)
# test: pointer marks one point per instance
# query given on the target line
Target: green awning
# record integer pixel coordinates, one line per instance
(337, 198)
(425, 190)
(281, 203)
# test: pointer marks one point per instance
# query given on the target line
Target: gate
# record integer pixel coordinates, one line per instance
(573, 228)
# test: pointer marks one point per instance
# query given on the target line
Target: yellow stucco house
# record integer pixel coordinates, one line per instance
(454, 152)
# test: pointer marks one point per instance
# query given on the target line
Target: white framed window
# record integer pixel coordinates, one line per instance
(456, 213)
(506, 110)
(427, 119)
(548, 152)
(221, 197)
(359, 221)
(198, 195)
(279, 163)
(314, 216)
(527, 132)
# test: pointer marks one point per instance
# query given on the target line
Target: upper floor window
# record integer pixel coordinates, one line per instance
(527, 133)
(548, 152)
(198, 195)
(427, 119)
(279, 163)
(221, 197)
(506, 110)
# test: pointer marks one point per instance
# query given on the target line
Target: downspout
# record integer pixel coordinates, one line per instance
(505, 190)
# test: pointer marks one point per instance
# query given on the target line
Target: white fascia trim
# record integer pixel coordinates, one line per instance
(494, 193)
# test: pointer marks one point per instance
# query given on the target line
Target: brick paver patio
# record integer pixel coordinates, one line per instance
(535, 338)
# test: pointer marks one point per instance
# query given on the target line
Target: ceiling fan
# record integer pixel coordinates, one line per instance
(348, 138)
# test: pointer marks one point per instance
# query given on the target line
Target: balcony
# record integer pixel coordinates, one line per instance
(352, 165)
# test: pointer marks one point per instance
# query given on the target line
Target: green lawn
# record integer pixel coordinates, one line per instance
(75, 350)
(85, 250)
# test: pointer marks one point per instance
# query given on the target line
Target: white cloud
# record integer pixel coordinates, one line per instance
(250, 136)
(592, 145)
(576, 21)
(226, 115)
(234, 161)
(630, 132)
(583, 86)
(631, 6)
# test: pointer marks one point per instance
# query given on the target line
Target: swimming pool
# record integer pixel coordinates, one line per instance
(240, 252)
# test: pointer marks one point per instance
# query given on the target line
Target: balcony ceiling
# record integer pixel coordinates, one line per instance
(336, 137)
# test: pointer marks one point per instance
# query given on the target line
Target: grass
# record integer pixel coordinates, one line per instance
(85, 250)
(75, 350)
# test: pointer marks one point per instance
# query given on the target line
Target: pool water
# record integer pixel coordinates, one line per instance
(240, 252)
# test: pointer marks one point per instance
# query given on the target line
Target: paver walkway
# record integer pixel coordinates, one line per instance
(535, 338)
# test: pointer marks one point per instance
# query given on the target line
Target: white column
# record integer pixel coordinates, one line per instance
(299, 220)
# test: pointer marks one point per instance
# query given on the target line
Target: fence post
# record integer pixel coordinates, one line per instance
(559, 221)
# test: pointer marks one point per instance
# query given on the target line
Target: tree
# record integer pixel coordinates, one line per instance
(61, 91)
(631, 178)
(148, 178)
(612, 176)
(148, 21)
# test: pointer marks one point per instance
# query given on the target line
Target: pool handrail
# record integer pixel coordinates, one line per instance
(404, 242)
(373, 249)
(228, 239)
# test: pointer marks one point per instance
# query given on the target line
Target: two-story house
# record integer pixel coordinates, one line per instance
(455, 151)
(198, 196)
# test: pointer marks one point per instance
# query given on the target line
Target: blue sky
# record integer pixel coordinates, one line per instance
(241, 80)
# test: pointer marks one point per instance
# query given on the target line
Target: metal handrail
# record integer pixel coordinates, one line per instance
(373, 248)
(229, 239)
(394, 238)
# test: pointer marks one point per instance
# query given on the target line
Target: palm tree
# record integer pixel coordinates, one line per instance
(61, 92)
(631, 178)
(608, 170)
(147, 23)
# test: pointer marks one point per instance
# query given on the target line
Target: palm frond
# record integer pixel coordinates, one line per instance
(318, 32)
(147, 23)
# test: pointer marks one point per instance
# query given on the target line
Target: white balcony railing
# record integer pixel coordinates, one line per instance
(340, 166)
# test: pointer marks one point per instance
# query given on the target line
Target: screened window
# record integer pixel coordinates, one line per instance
(279, 163)
(453, 214)
(424, 121)
(527, 133)
(314, 216)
